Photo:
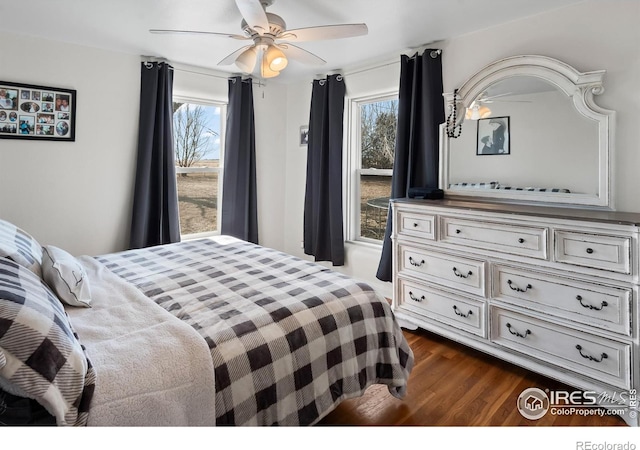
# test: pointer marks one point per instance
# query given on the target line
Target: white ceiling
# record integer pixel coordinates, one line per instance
(394, 26)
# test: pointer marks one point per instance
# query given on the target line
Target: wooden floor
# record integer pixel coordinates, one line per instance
(452, 385)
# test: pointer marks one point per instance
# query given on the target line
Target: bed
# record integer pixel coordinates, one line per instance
(214, 331)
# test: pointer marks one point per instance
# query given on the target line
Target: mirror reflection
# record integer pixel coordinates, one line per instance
(523, 133)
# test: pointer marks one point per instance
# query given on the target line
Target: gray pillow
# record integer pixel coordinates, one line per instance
(19, 246)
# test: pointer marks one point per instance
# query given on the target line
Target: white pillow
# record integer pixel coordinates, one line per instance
(66, 276)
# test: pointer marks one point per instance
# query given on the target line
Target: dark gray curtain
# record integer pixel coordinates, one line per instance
(420, 113)
(155, 218)
(323, 231)
(239, 197)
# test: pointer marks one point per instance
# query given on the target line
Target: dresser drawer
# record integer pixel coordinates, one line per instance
(593, 356)
(589, 303)
(462, 313)
(417, 225)
(495, 236)
(599, 251)
(452, 271)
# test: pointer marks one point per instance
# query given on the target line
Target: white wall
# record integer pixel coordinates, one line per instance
(198, 83)
(76, 195)
(589, 36)
(270, 103)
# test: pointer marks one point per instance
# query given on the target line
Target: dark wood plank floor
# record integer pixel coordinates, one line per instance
(452, 385)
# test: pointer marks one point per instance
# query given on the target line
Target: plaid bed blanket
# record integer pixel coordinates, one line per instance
(290, 339)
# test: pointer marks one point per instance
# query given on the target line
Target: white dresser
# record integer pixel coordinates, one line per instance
(551, 289)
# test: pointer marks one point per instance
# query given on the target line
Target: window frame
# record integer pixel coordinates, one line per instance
(219, 170)
(354, 165)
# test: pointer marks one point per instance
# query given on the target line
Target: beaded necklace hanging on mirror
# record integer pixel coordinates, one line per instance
(453, 131)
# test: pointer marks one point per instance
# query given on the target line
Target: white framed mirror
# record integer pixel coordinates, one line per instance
(532, 134)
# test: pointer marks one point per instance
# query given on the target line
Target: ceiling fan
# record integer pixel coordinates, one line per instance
(272, 43)
(478, 110)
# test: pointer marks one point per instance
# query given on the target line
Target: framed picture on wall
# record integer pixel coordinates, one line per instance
(493, 136)
(304, 135)
(29, 111)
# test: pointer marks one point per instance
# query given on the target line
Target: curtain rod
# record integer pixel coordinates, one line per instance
(434, 53)
(147, 59)
(256, 82)
(200, 73)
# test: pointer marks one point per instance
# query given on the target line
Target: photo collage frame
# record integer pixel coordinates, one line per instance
(37, 112)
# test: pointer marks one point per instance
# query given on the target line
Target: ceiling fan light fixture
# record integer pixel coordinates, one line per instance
(247, 60)
(266, 71)
(276, 59)
(477, 112)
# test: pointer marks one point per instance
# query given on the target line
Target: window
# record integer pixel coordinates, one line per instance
(373, 137)
(198, 143)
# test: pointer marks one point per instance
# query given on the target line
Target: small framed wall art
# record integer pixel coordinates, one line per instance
(304, 135)
(29, 111)
(493, 136)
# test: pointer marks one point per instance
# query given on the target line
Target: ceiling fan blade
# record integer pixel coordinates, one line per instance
(227, 35)
(253, 13)
(301, 55)
(230, 59)
(323, 32)
(491, 97)
(507, 101)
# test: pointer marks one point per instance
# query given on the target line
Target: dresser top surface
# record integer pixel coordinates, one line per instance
(618, 217)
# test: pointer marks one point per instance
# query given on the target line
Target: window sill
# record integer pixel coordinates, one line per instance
(368, 244)
(193, 236)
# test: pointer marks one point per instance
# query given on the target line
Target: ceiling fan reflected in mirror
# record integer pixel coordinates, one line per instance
(478, 109)
(272, 43)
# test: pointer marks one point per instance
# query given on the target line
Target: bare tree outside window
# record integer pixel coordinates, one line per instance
(378, 121)
(197, 146)
(191, 133)
(378, 134)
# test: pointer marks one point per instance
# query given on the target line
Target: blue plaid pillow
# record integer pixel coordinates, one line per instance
(40, 355)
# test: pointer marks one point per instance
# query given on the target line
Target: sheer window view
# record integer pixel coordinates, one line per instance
(377, 149)
(197, 145)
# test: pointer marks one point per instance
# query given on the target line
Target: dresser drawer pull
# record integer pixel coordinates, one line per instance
(415, 224)
(414, 298)
(521, 240)
(515, 333)
(415, 263)
(589, 357)
(458, 231)
(589, 250)
(461, 314)
(516, 288)
(461, 275)
(597, 308)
